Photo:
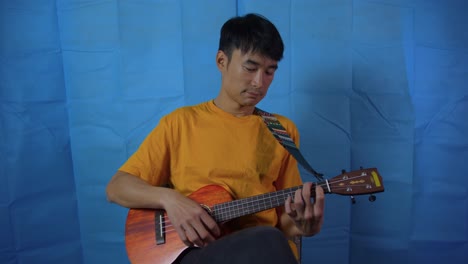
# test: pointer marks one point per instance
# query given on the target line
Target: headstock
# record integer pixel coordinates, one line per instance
(358, 182)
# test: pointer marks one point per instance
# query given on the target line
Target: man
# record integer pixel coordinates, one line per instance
(223, 142)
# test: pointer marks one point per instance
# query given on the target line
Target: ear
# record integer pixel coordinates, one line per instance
(221, 60)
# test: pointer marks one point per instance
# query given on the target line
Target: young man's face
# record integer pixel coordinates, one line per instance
(246, 77)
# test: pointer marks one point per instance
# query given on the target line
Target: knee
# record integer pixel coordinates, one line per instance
(269, 243)
(268, 232)
(268, 236)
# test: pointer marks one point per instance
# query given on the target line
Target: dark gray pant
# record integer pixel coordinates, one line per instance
(254, 245)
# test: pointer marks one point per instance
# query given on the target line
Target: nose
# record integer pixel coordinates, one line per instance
(257, 81)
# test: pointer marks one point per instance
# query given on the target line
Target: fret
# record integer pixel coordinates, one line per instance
(143, 225)
(251, 205)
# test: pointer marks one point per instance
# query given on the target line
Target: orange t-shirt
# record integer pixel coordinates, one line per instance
(202, 145)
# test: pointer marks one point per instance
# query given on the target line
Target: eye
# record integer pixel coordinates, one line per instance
(249, 69)
(270, 72)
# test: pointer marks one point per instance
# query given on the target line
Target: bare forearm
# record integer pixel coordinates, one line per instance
(132, 192)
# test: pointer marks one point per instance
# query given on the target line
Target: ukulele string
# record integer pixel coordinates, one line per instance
(324, 184)
(284, 195)
(168, 228)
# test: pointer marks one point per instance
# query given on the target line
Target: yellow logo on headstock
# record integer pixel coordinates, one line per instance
(376, 178)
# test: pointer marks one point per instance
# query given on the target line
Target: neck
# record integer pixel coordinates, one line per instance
(233, 108)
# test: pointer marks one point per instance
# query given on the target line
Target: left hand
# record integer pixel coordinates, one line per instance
(306, 210)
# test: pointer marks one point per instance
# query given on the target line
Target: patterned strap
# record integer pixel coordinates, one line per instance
(280, 133)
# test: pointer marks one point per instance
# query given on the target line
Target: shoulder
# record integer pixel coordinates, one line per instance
(185, 112)
(285, 121)
(289, 126)
(178, 120)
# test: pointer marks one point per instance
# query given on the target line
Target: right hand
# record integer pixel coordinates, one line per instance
(193, 224)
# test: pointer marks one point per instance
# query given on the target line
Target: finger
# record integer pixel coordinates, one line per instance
(183, 236)
(298, 205)
(204, 235)
(298, 200)
(319, 204)
(211, 225)
(307, 197)
(289, 207)
(306, 193)
(287, 204)
(192, 236)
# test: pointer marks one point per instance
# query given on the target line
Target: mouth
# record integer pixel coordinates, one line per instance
(252, 94)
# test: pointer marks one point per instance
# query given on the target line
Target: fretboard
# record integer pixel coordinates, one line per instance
(251, 205)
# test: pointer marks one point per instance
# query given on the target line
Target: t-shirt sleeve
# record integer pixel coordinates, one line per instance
(151, 161)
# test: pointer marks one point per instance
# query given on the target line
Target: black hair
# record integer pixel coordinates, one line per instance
(251, 33)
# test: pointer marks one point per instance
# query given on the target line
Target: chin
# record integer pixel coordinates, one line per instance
(250, 103)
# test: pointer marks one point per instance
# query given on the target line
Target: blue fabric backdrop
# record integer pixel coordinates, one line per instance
(372, 83)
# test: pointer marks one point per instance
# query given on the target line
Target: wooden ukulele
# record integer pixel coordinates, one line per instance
(150, 237)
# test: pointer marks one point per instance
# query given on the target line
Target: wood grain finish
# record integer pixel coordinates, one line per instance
(141, 230)
(147, 242)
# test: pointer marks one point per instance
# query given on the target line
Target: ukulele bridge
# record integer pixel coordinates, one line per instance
(159, 227)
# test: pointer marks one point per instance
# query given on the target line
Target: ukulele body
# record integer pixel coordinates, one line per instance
(146, 239)
(147, 236)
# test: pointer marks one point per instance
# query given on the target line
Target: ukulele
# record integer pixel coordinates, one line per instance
(150, 237)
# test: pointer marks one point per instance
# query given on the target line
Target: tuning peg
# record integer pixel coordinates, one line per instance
(372, 198)
(353, 200)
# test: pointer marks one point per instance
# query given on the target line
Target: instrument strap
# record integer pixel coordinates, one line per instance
(280, 133)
